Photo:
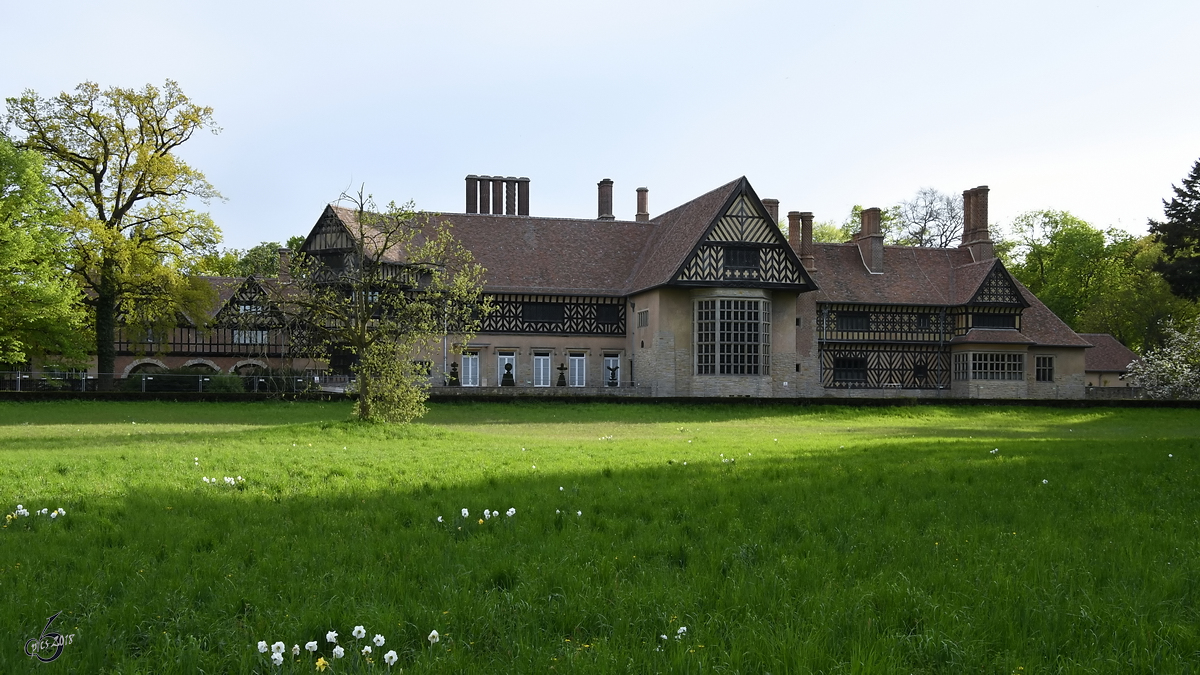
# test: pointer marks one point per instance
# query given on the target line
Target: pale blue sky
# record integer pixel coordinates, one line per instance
(1092, 107)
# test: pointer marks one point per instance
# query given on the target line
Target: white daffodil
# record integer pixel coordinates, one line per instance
(390, 658)
(54, 514)
(487, 515)
(511, 512)
(359, 632)
(366, 650)
(662, 637)
(465, 513)
(682, 630)
(295, 650)
(560, 488)
(440, 519)
(378, 640)
(579, 513)
(331, 636)
(62, 512)
(1045, 482)
(311, 646)
(262, 646)
(433, 637)
(338, 652)
(277, 659)
(278, 648)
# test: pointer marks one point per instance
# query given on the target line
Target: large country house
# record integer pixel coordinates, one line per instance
(707, 299)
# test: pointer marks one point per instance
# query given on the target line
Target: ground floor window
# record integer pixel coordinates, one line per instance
(1044, 368)
(997, 366)
(506, 368)
(732, 337)
(577, 370)
(541, 369)
(469, 377)
(612, 370)
(850, 369)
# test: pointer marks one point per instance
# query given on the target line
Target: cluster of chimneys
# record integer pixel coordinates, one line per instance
(498, 195)
(510, 196)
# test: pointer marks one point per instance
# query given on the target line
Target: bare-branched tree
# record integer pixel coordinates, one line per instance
(931, 218)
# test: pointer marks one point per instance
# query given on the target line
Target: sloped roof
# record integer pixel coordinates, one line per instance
(911, 275)
(1043, 326)
(1107, 354)
(993, 336)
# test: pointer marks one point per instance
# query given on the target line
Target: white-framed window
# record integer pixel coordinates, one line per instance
(541, 369)
(1043, 368)
(506, 362)
(576, 369)
(249, 337)
(469, 375)
(732, 337)
(997, 366)
(612, 370)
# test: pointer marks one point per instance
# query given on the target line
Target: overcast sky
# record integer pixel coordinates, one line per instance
(1091, 107)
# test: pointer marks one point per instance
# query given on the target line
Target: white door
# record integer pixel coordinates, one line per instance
(541, 370)
(470, 370)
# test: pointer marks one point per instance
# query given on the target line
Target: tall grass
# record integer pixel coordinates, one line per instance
(785, 540)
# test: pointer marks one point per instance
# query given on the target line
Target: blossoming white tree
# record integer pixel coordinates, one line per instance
(1173, 370)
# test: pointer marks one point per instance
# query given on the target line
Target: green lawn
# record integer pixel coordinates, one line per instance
(785, 540)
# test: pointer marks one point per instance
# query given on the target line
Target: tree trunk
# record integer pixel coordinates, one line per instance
(106, 325)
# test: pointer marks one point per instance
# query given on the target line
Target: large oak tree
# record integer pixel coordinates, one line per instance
(111, 158)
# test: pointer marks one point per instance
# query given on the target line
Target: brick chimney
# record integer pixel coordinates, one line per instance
(285, 264)
(806, 241)
(643, 199)
(772, 209)
(522, 196)
(497, 195)
(485, 194)
(605, 206)
(870, 240)
(794, 231)
(472, 194)
(510, 196)
(976, 236)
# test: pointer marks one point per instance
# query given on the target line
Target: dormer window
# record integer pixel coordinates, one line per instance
(994, 321)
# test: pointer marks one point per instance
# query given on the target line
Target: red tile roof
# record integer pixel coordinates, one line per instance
(1107, 354)
(993, 336)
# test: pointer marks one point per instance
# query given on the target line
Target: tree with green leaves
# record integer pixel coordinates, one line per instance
(112, 159)
(401, 286)
(1180, 236)
(40, 310)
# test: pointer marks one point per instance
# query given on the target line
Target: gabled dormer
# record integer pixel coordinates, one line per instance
(743, 246)
(998, 289)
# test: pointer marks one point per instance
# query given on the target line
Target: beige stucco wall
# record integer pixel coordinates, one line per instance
(1069, 379)
(1095, 378)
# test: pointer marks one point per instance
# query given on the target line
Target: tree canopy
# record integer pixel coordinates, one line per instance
(40, 311)
(405, 285)
(112, 159)
(1179, 234)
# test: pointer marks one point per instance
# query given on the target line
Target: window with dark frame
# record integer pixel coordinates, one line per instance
(923, 322)
(994, 320)
(543, 312)
(608, 314)
(857, 321)
(732, 337)
(850, 369)
(997, 366)
(920, 371)
(1043, 368)
(741, 257)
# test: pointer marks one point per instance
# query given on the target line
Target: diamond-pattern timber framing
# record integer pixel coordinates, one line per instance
(998, 289)
(745, 225)
(884, 323)
(889, 366)
(580, 315)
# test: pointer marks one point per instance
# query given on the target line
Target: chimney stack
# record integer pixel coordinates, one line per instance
(510, 196)
(285, 264)
(485, 194)
(643, 198)
(497, 195)
(772, 210)
(794, 231)
(605, 206)
(806, 242)
(870, 240)
(976, 236)
(472, 194)
(522, 196)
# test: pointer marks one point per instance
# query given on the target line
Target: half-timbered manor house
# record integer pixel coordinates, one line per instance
(709, 298)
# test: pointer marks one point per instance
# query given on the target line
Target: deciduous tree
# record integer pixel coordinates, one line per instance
(388, 300)
(931, 219)
(112, 160)
(40, 311)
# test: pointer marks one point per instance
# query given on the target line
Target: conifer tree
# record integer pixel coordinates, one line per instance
(1180, 236)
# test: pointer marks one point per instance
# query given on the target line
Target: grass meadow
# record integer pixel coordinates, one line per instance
(646, 538)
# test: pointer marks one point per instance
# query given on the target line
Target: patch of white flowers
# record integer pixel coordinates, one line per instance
(488, 514)
(22, 512)
(365, 654)
(228, 480)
